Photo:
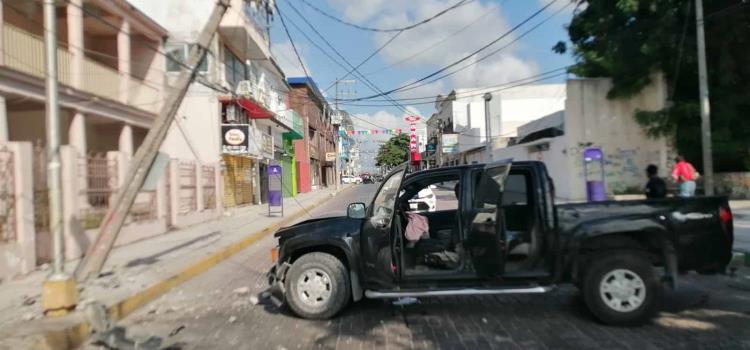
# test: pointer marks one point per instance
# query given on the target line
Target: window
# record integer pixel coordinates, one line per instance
(382, 206)
(234, 69)
(489, 187)
(431, 194)
(515, 192)
(177, 55)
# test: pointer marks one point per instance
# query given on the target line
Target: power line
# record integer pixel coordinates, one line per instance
(399, 62)
(365, 60)
(291, 41)
(462, 59)
(494, 52)
(411, 26)
(357, 73)
(468, 93)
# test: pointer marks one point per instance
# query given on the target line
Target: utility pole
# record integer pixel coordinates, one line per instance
(488, 124)
(97, 253)
(350, 92)
(708, 159)
(59, 292)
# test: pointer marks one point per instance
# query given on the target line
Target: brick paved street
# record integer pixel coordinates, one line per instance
(210, 312)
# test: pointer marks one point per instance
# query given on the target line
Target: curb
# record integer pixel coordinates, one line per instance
(73, 336)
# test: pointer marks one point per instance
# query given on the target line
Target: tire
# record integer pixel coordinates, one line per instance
(317, 286)
(621, 289)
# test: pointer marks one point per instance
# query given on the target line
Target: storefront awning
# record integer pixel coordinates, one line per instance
(251, 109)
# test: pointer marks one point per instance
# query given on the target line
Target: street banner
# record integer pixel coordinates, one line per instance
(275, 189)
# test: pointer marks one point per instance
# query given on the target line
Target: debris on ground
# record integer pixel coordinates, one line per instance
(254, 300)
(242, 291)
(28, 316)
(232, 319)
(176, 330)
(28, 301)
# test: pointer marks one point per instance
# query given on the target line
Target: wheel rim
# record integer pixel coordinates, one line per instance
(622, 290)
(314, 287)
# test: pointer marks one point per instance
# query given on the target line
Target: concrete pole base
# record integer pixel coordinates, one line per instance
(59, 295)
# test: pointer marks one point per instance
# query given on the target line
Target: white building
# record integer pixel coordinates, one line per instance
(240, 52)
(462, 112)
(590, 119)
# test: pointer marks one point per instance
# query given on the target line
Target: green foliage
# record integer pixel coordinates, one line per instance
(394, 152)
(629, 40)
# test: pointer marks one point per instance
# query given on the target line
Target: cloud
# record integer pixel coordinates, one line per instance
(444, 41)
(287, 59)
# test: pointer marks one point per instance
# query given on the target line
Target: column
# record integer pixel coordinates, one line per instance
(24, 203)
(126, 141)
(174, 191)
(219, 190)
(2, 35)
(123, 60)
(75, 41)
(4, 135)
(200, 204)
(78, 143)
(77, 133)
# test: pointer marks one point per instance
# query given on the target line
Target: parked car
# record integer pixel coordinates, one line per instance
(424, 200)
(346, 179)
(366, 178)
(506, 237)
(356, 180)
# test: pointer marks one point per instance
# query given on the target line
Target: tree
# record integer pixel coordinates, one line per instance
(394, 152)
(629, 40)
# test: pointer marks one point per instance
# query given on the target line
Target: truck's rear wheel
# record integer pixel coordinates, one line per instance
(621, 289)
(317, 286)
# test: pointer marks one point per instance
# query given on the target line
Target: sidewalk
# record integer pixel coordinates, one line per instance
(134, 268)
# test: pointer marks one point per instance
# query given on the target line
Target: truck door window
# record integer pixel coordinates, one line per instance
(385, 201)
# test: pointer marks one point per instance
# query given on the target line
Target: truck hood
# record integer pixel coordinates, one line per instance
(329, 226)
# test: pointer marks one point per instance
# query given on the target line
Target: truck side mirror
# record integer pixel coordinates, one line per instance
(356, 211)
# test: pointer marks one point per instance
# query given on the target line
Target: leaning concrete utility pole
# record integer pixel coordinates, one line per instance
(59, 293)
(97, 253)
(708, 159)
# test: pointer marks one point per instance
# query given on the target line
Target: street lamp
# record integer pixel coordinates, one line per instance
(488, 124)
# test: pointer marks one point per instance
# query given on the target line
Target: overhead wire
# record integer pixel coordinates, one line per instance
(368, 83)
(400, 29)
(494, 41)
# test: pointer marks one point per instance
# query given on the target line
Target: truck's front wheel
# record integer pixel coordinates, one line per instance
(621, 289)
(317, 286)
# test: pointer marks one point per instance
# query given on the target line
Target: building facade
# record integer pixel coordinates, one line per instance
(315, 153)
(460, 120)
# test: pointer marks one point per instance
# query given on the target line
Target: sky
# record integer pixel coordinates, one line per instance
(414, 53)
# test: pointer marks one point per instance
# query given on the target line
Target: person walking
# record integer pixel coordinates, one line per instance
(656, 187)
(685, 175)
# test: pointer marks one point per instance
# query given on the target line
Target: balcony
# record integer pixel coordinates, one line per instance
(244, 33)
(24, 52)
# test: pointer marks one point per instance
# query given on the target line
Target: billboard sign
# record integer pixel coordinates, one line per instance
(450, 143)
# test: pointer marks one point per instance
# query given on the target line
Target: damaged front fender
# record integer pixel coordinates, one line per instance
(276, 290)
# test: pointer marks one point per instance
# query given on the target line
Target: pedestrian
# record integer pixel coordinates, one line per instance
(656, 187)
(684, 174)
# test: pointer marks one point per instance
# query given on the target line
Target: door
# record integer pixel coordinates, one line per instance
(485, 238)
(377, 234)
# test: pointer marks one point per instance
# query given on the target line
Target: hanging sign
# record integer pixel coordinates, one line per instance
(235, 138)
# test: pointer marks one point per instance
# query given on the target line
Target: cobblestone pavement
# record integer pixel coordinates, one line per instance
(216, 311)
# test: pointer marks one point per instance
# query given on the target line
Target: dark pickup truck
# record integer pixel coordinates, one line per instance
(502, 234)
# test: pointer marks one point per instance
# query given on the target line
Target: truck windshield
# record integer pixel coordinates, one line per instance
(386, 198)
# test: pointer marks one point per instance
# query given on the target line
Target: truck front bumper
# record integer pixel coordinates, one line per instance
(276, 290)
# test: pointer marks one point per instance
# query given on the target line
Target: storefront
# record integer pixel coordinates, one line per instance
(288, 160)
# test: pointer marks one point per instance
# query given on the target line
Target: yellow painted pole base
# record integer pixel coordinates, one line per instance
(59, 296)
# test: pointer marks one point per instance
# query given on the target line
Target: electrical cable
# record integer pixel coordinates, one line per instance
(357, 73)
(504, 35)
(411, 26)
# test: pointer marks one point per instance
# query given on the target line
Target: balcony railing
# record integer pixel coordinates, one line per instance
(24, 52)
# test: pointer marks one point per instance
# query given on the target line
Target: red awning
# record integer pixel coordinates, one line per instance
(252, 109)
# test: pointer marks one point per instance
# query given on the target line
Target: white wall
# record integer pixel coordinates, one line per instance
(592, 120)
(200, 118)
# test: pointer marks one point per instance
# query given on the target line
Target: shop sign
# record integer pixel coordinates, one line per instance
(330, 156)
(266, 145)
(450, 143)
(235, 138)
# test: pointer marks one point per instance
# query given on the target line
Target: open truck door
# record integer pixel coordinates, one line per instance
(485, 236)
